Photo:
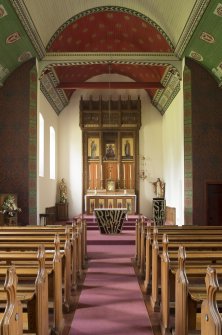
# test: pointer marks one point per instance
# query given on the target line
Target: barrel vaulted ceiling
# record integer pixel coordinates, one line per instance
(143, 41)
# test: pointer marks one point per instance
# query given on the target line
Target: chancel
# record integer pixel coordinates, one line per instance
(111, 176)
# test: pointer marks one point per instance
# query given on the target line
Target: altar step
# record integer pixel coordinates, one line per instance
(129, 224)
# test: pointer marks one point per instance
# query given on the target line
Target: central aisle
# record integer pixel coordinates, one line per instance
(111, 301)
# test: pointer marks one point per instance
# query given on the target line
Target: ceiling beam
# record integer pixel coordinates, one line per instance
(89, 58)
(110, 85)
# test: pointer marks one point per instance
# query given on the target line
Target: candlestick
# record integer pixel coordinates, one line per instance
(101, 172)
(89, 176)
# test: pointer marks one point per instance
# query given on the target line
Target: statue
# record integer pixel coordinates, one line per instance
(127, 149)
(63, 191)
(159, 188)
(93, 149)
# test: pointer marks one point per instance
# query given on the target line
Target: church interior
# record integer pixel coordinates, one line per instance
(116, 110)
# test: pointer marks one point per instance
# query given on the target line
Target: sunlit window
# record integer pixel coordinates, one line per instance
(41, 145)
(52, 153)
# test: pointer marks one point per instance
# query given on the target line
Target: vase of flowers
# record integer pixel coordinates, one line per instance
(9, 208)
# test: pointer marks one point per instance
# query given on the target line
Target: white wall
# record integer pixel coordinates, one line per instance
(173, 156)
(70, 144)
(70, 153)
(46, 187)
(160, 141)
(151, 148)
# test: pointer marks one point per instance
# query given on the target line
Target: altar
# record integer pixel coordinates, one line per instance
(110, 200)
(110, 221)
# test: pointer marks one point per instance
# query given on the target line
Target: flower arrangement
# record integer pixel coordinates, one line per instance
(9, 206)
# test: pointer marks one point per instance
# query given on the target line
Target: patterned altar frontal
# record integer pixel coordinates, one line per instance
(110, 221)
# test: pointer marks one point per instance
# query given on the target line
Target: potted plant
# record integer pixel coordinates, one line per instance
(9, 208)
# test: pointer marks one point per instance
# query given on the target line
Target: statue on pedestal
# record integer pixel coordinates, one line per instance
(63, 196)
(159, 188)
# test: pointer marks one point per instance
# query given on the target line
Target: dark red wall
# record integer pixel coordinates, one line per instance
(206, 136)
(14, 137)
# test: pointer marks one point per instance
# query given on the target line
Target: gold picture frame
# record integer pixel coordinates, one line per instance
(127, 148)
(110, 185)
(110, 151)
(93, 148)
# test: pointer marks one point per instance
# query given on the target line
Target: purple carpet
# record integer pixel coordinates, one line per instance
(111, 301)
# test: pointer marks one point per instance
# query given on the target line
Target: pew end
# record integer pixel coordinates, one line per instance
(211, 322)
(12, 322)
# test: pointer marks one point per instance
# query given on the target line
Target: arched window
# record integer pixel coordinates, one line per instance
(41, 145)
(52, 153)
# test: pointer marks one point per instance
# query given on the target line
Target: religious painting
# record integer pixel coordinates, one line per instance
(110, 151)
(101, 203)
(119, 203)
(129, 205)
(91, 205)
(110, 203)
(93, 148)
(127, 148)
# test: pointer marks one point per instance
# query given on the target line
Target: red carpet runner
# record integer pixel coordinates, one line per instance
(111, 301)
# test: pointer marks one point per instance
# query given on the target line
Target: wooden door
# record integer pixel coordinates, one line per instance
(214, 204)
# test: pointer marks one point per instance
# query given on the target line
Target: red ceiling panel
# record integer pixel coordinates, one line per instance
(109, 31)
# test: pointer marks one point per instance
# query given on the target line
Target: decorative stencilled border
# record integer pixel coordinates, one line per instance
(188, 173)
(29, 27)
(50, 66)
(164, 97)
(55, 97)
(195, 17)
(112, 9)
(161, 100)
(33, 147)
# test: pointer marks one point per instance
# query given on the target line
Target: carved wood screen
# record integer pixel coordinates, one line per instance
(110, 145)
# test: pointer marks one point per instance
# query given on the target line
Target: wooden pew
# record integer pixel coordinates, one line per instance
(188, 296)
(194, 240)
(211, 322)
(169, 264)
(27, 246)
(55, 282)
(78, 248)
(78, 233)
(35, 296)
(11, 322)
(145, 231)
(193, 244)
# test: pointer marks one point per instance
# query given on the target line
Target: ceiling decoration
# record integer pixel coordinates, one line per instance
(158, 31)
(110, 29)
(205, 45)
(16, 47)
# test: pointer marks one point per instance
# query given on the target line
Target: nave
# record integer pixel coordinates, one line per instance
(103, 284)
(111, 301)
